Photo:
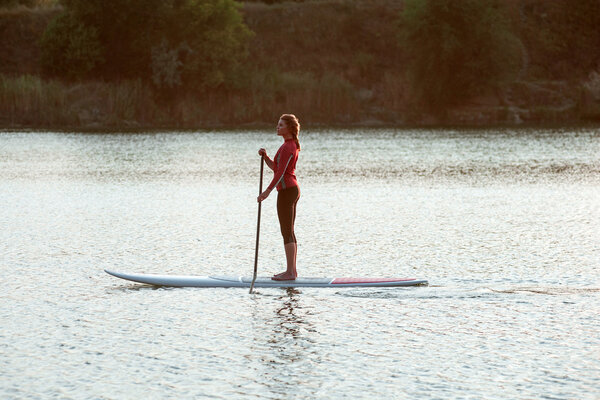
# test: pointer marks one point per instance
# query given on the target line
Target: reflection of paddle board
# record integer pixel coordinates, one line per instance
(230, 281)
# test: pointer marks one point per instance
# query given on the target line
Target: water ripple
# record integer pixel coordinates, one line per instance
(502, 223)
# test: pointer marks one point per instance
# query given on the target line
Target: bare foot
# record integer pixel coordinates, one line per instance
(284, 277)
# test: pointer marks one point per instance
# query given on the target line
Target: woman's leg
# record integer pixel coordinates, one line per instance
(293, 246)
(286, 211)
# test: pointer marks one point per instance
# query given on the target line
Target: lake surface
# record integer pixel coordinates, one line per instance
(503, 223)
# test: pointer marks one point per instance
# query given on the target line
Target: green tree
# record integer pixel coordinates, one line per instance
(214, 36)
(70, 48)
(456, 48)
(173, 42)
(126, 29)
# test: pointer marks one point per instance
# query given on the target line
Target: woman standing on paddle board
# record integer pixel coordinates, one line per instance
(288, 191)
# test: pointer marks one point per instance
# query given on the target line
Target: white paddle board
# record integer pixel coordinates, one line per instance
(241, 281)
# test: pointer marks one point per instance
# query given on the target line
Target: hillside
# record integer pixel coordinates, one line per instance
(332, 62)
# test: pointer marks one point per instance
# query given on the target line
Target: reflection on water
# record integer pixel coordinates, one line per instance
(503, 224)
(284, 344)
(289, 322)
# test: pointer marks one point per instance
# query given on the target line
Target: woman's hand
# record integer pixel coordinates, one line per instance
(263, 196)
(263, 153)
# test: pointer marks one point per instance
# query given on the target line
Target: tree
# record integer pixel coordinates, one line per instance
(456, 48)
(70, 48)
(211, 37)
(126, 29)
(143, 38)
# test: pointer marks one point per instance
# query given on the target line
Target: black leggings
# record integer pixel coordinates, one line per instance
(286, 211)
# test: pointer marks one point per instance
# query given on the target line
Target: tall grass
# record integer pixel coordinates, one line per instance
(271, 92)
(30, 101)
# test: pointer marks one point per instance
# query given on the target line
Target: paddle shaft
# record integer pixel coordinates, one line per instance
(262, 166)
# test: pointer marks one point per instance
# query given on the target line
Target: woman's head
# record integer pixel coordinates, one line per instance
(291, 126)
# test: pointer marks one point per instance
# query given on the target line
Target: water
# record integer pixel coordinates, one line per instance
(503, 224)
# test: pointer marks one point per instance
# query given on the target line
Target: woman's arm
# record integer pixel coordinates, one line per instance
(276, 179)
(268, 161)
(281, 168)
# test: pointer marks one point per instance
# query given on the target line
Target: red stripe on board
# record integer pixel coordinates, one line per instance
(341, 281)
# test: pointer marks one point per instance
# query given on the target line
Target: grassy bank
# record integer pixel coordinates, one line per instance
(330, 62)
(30, 101)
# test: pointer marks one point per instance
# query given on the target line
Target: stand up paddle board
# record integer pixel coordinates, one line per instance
(244, 282)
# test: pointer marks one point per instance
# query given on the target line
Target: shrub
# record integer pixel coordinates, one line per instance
(215, 36)
(166, 65)
(456, 48)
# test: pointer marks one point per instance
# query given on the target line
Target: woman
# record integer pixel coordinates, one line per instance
(288, 191)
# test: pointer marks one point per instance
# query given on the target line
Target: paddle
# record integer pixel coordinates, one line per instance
(262, 164)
